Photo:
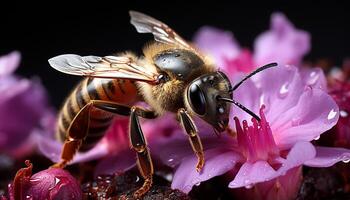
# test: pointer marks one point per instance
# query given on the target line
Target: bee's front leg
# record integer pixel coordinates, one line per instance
(192, 133)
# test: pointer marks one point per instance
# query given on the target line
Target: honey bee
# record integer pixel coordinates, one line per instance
(171, 76)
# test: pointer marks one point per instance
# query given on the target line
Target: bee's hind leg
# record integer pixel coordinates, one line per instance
(77, 131)
(193, 136)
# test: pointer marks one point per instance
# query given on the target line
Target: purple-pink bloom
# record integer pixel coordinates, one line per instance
(23, 108)
(282, 43)
(52, 183)
(296, 113)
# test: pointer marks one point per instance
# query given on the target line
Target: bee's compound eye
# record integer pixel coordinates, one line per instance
(197, 99)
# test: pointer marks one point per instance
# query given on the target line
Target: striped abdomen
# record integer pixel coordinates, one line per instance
(116, 90)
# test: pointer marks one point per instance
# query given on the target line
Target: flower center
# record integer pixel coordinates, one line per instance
(256, 142)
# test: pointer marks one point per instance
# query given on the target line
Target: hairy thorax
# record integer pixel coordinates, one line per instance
(165, 96)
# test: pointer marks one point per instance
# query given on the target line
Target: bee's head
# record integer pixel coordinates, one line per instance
(203, 97)
(210, 97)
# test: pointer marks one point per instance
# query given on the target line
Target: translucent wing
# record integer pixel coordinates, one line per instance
(121, 67)
(161, 32)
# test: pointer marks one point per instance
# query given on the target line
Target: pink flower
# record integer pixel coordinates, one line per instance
(283, 187)
(113, 149)
(296, 114)
(47, 184)
(283, 43)
(24, 108)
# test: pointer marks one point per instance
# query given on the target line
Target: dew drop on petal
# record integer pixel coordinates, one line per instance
(249, 186)
(57, 180)
(343, 113)
(137, 179)
(171, 162)
(197, 184)
(317, 137)
(345, 159)
(265, 101)
(331, 114)
(313, 78)
(169, 177)
(283, 90)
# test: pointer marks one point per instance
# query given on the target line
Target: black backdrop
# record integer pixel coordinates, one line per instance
(100, 28)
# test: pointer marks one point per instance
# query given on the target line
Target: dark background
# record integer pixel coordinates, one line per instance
(40, 31)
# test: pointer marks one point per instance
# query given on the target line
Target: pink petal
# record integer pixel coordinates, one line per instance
(278, 95)
(251, 173)
(20, 96)
(51, 148)
(218, 44)
(261, 171)
(218, 162)
(119, 162)
(297, 156)
(315, 113)
(9, 63)
(248, 99)
(314, 77)
(115, 140)
(328, 156)
(282, 43)
(169, 143)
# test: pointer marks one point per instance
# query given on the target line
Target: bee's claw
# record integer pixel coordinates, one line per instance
(200, 163)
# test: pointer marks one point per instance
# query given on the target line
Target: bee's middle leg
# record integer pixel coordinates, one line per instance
(137, 140)
(192, 133)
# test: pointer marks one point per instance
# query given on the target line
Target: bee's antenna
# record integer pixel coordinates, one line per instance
(240, 106)
(251, 74)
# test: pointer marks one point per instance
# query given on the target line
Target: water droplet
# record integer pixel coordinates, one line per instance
(169, 177)
(29, 197)
(171, 162)
(343, 113)
(331, 114)
(317, 137)
(313, 78)
(283, 90)
(57, 180)
(249, 186)
(197, 184)
(137, 179)
(247, 181)
(345, 159)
